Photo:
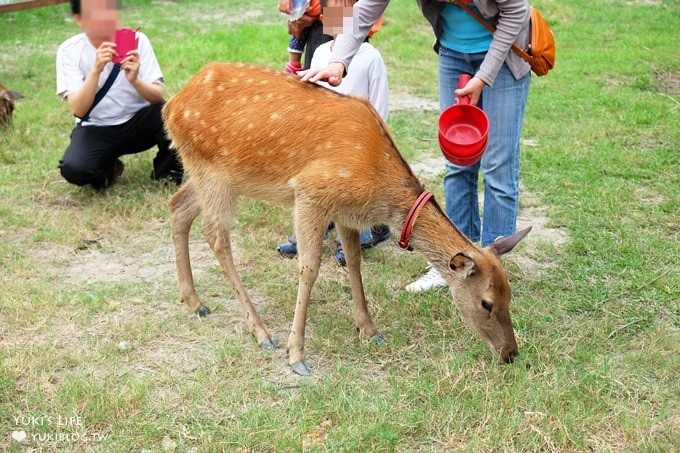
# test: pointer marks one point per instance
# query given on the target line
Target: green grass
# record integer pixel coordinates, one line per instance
(91, 325)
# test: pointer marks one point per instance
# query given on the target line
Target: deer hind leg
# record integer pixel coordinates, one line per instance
(310, 225)
(219, 218)
(184, 208)
(352, 249)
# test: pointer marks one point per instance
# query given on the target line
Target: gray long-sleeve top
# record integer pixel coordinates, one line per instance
(512, 26)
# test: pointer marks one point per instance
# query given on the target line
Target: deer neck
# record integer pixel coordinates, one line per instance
(433, 233)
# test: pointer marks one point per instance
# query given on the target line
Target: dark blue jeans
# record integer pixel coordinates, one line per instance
(504, 104)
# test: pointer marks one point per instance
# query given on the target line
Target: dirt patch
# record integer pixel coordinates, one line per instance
(668, 82)
(428, 168)
(97, 262)
(401, 100)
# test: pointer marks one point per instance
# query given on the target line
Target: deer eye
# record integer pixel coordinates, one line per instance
(488, 306)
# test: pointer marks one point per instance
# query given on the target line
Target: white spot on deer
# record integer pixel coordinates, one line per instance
(344, 173)
(220, 87)
(275, 116)
(187, 114)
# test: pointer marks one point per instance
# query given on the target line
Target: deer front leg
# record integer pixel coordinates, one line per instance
(310, 237)
(184, 208)
(352, 249)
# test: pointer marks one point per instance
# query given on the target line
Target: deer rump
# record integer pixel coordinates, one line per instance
(243, 130)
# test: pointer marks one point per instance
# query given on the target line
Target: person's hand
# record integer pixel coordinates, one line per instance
(105, 53)
(332, 74)
(296, 27)
(285, 6)
(130, 65)
(473, 89)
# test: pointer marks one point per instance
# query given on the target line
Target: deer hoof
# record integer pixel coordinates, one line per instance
(301, 368)
(378, 338)
(269, 344)
(202, 311)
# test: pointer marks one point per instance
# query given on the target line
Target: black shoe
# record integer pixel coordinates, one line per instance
(111, 178)
(171, 177)
(118, 167)
(339, 254)
(380, 234)
(288, 249)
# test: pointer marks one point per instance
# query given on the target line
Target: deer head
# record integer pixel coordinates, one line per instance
(481, 292)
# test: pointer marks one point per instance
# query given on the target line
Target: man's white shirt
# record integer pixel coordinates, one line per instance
(75, 59)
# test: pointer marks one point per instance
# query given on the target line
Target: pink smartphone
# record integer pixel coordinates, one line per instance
(126, 40)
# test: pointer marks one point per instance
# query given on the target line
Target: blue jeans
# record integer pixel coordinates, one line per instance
(365, 236)
(504, 104)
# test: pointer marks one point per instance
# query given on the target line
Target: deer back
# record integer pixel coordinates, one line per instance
(276, 137)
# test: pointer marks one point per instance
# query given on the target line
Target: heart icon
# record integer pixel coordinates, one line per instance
(19, 436)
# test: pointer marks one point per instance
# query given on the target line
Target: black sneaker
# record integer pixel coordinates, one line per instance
(288, 249)
(380, 234)
(339, 254)
(111, 178)
(118, 167)
(172, 177)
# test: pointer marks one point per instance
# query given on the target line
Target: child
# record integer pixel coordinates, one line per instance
(299, 29)
(366, 77)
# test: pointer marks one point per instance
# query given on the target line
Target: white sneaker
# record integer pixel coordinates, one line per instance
(431, 279)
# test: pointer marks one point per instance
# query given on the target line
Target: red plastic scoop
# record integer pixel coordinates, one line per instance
(463, 130)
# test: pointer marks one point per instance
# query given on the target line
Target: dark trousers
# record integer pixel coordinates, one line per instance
(93, 151)
(315, 38)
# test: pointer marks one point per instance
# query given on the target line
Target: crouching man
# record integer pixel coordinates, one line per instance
(117, 106)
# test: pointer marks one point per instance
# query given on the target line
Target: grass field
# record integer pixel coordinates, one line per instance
(97, 353)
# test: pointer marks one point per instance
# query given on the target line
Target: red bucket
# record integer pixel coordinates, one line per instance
(463, 130)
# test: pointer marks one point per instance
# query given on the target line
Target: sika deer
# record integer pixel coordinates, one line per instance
(7, 99)
(248, 131)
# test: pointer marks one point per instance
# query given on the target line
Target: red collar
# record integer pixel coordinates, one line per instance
(410, 220)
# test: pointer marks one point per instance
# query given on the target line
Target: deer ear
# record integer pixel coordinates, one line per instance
(463, 265)
(504, 245)
(11, 95)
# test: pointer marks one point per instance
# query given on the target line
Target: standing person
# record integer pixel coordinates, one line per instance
(127, 119)
(368, 79)
(500, 86)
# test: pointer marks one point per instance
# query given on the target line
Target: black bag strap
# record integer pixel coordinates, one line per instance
(99, 95)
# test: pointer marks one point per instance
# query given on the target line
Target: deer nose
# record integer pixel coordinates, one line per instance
(508, 355)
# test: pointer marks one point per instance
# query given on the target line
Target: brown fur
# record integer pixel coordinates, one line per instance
(248, 131)
(7, 99)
